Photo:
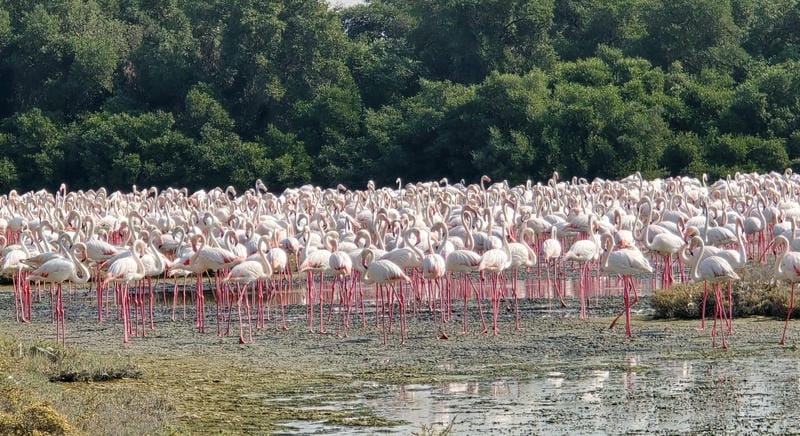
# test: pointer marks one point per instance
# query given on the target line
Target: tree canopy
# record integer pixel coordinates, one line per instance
(212, 93)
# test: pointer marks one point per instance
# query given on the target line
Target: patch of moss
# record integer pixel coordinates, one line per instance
(40, 417)
(34, 418)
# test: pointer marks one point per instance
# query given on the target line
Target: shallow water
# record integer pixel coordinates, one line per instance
(666, 379)
(628, 396)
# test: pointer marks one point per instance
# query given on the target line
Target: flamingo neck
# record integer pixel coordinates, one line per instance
(694, 273)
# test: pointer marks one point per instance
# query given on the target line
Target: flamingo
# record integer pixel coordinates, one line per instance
(625, 262)
(714, 270)
(56, 272)
(584, 251)
(316, 260)
(787, 268)
(551, 251)
(279, 262)
(245, 273)
(124, 271)
(433, 269)
(465, 262)
(737, 259)
(13, 263)
(495, 261)
(342, 267)
(384, 272)
(203, 259)
(154, 266)
(408, 258)
(522, 255)
(666, 244)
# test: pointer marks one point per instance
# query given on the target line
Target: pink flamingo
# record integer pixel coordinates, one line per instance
(666, 244)
(465, 262)
(714, 270)
(56, 272)
(626, 262)
(522, 255)
(155, 264)
(551, 251)
(245, 273)
(433, 269)
(314, 261)
(342, 267)
(279, 261)
(13, 262)
(495, 261)
(409, 258)
(207, 258)
(787, 267)
(584, 251)
(123, 271)
(737, 260)
(382, 273)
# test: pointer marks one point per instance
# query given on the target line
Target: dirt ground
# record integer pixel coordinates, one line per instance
(214, 384)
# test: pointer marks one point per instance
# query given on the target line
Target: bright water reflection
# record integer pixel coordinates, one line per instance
(629, 396)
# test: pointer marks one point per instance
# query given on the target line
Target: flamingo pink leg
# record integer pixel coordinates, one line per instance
(788, 316)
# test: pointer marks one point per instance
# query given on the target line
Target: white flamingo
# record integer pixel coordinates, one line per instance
(787, 268)
(584, 252)
(124, 271)
(714, 270)
(384, 273)
(246, 273)
(626, 262)
(56, 272)
(551, 252)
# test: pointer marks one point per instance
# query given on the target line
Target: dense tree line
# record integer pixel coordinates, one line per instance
(218, 92)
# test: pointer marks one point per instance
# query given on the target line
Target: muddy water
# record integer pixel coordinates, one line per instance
(673, 396)
(558, 375)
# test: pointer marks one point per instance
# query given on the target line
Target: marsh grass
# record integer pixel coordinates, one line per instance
(756, 294)
(62, 364)
(31, 403)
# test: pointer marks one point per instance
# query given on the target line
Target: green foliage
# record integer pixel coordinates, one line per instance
(205, 93)
(580, 26)
(463, 40)
(64, 55)
(683, 154)
(290, 164)
(773, 30)
(697, 33)
(512, 107)
(34, 146)
(730, 153)
(5, 27)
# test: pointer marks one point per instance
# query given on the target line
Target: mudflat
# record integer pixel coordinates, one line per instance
(667, 378)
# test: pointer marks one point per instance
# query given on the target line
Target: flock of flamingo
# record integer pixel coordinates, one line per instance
(419, 247)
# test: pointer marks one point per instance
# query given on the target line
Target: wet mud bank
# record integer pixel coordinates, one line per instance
(557, 374)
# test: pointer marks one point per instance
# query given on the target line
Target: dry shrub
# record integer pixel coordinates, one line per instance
(680, 301)
(40, 417)
(35, 418)
(756, 294)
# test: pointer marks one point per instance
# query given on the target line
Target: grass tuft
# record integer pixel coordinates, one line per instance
(30, 403)
(756, 294)
(71, 365)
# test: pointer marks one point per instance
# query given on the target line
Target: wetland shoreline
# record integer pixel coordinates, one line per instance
(291, 381)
